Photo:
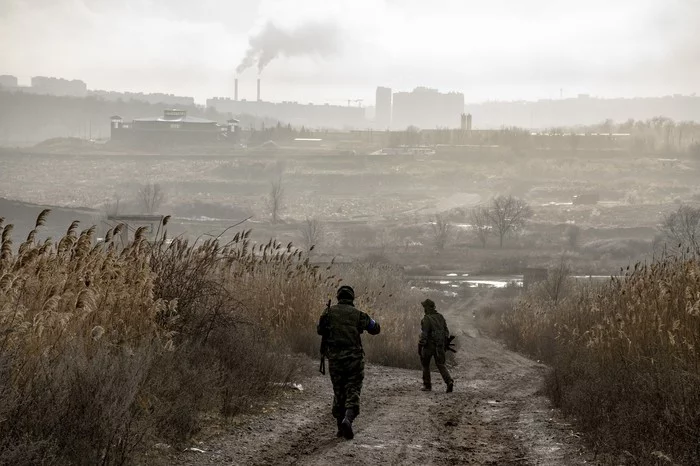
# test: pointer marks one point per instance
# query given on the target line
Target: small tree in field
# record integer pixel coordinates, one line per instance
(682, 228)
(572, 236)
(151, 196)
(441, 231)
(481, 225)
(507, 215)
(558, 281)
(275, 200)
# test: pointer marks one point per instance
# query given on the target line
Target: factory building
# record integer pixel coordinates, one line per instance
(294, 113)
(175, 127)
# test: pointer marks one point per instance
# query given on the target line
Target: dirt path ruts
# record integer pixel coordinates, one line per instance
(494, 417)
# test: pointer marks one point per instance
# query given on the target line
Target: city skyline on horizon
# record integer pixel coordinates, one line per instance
(319, 51)
(250, 94)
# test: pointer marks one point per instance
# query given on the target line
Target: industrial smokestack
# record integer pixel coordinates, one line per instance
(258, 89)
(235, 89)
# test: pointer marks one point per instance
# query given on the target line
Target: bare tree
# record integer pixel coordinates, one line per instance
(682, 227)
(507, 215)
(312, 233)
(275, 201)
(441, 231)
(572, 236)
(558, 281)
(151, 196)
(479, 219)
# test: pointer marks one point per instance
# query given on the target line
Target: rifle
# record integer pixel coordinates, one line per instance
(324, 334)
(449, 346)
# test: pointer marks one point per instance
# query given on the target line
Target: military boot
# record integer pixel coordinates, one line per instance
(339, 421)
(346, 424)
(450, 386)
(426, 388)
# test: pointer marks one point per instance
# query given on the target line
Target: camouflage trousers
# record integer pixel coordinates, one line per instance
(438, 352)
(346, 375)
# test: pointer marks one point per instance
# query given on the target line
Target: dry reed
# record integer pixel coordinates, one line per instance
(624, 357)
(104, 348)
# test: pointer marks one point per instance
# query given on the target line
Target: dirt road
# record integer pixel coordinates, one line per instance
(494, 416)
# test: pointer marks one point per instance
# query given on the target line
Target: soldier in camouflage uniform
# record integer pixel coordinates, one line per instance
(341, 326)
(433, 335)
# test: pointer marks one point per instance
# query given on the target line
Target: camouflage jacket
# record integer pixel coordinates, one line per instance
(433, 329)
(342, 325)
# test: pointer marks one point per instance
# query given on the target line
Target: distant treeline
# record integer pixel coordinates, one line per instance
(654, 135)
(29, 118)
(583, 110)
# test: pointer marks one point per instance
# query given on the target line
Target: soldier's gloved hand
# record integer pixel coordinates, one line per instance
(373, 328)
(420, 350)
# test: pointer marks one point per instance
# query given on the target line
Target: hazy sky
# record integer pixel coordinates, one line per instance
(343, 49)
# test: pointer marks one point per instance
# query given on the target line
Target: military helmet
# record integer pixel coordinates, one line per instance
(345, 292)
(428, 304)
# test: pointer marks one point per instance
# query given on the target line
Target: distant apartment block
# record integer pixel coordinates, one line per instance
(57, 86)
(7, 81)
(154, 98)
(382, 110)
(427, 109)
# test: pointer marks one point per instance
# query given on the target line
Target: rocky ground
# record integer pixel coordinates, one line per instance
(495, 416)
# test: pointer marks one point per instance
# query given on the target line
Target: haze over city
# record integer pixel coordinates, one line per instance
(247, 232)
(335, 51)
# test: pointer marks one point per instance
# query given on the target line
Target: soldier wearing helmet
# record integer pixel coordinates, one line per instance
(340, 326)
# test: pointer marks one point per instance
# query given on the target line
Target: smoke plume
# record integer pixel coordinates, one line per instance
(272, 42)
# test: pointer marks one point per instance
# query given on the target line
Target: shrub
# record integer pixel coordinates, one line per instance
(490, 313)
(681, 228)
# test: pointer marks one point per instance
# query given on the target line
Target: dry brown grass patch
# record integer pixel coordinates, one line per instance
(624, 357)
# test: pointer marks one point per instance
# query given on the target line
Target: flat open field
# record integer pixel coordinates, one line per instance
(369, 203)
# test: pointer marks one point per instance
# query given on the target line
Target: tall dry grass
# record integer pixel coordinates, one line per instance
(78, 330)
(625, 358)
(103, 348)
(380, 291)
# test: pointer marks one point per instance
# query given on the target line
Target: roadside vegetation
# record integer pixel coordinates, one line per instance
(624, 356)
(104, 350)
